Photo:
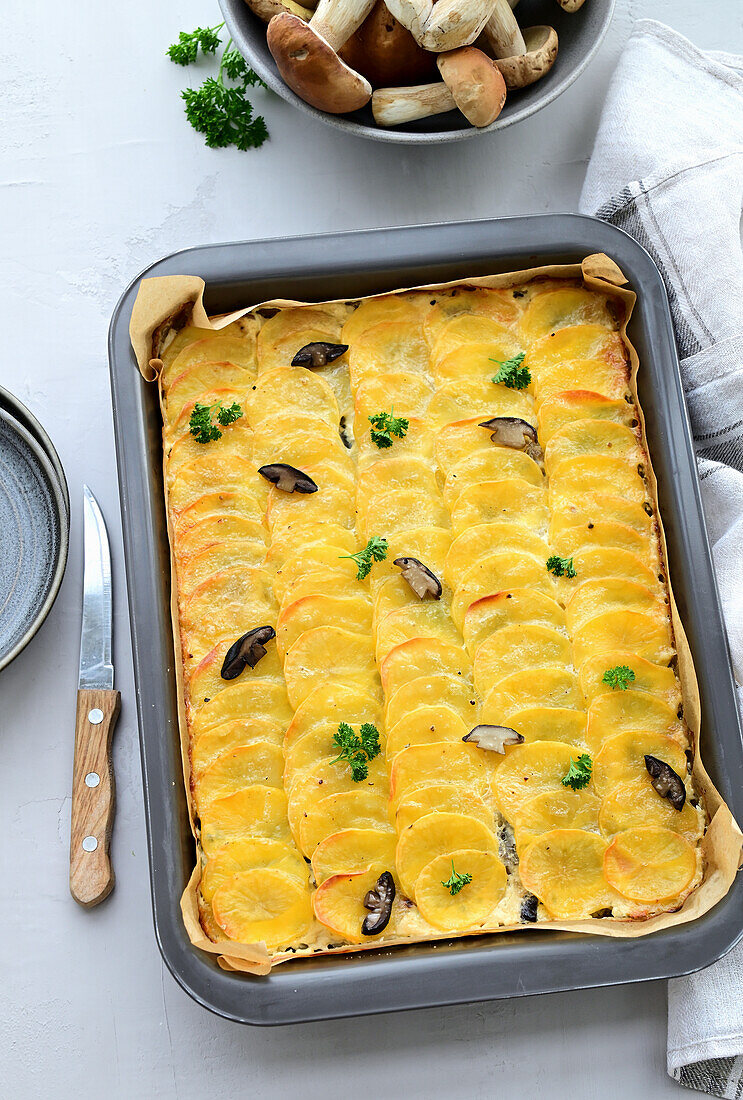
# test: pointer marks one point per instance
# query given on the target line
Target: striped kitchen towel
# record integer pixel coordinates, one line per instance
(667, 167)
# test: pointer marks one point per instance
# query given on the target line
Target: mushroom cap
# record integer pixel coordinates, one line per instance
(541, 46)
(571, 5)
(386, 53)
(475, 83)
(312, 69)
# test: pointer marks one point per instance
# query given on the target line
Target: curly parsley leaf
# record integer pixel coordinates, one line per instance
(386, 425)
(456, 882)
(375, 550)
(186, 49)
(512, 374)
(201, 423)
(578, 774)
(357, 749)
(618, 677)
(561, 567)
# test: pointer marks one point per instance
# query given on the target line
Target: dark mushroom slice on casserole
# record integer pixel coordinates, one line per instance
(666, 781)
(493, 738)
(288, 478)
(512, 431)
(419, 577)
(529, 907)
(379, 903)
(247, 650)
(318, 354)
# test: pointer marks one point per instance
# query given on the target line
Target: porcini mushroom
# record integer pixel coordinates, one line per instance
(288, 478)
(571, 5)
(502, 31)
(419, 577)
(413, 14)
(247, 650)
(306, 57)
(666, 781)
(471, 82)
(529, 907)
(512, 431)
(453, 24)
(493, 738)
(378, 901)
(386, 53)
(318, 354)
(524, 69)
(266, 9)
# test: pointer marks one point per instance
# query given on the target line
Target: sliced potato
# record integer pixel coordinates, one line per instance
(462, 439)
(214, 558)
(603, 507)
(290, 513)
(638, 804)
(284, 547)
(596, 597)
(292, 388)
(450, 798)
(657, 680)
(604, 563)
(206, 682)
(333, 702)
(339, 903)
(437, 689)
(214, 473)
(470, 400)
(317, 557)
(437, 834)
(238, 504)
(232, 735)
(475, 303)
(568, 539)
(400, 509)
(374, 311)
(497, 464)
(174, 430)
(423, 619)
(393, 474)
(349, 613)
(576, 343)
(228, 603)
(577, 478)
(563, 809)
(351, 851)
(476, 543)
(550, 724)
(625, 711)
(388, 346)
(263, 906)
(418, 442)
(401, 393)
(566, 407)
(514, 606)
(236, 440)
(421, 657)
(469, 906)
(428, 544)
(593, 437)
(621, 758)
(529, 770)
(510, 501)
(565, 869)
(516, 648)
(261, 762)
(192, 345)
(650, 864)
(555, 309)
(248, 855)
(640, 634)
(306, 753)
(255, 698)
(255, 811)
(545, 687)
(473, 362)
(442, 761)
(360, 809)
(498, 573)
(228, 528)
(329, 653)
(425, 726)
(197, 380)
(465, 330)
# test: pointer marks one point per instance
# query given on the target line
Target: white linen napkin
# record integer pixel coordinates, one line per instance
(667, 167)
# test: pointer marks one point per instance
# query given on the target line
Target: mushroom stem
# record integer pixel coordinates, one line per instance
(413, 14)
(393, 106)
(266, 9)
(453, 24)
(337, 20)
(503, 33)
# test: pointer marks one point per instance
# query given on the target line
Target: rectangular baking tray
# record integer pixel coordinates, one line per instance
(470, 969)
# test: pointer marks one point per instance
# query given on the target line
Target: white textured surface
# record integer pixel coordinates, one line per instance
(100, 175)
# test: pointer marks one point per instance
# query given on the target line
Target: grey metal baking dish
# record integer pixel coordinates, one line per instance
(465, 970)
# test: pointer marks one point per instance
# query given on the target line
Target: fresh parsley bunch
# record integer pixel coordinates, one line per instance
(201, 424)
(512, 374)
(220, 111)
(357, 749)
(375, 550)
(384, 425)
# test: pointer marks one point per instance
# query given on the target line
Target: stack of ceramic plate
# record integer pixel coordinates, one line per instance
(34, 526)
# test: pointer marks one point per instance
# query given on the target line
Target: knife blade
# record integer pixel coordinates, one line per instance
(91, 874)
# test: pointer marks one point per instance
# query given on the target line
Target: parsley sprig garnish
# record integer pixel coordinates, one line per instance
(357, 749)
(456, 882)
(512, 374)
(201, 423)
(561, 567)
(618, 677)
(384, 425)
(375, 550)
(578, 774)
(221, 112)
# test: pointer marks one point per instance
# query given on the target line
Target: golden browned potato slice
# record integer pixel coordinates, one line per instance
(214, 558)
(592, 598)
(240, 504)
(599, 375)
(478, 543)
(221, 528)
(593, 437)
(202, 345)
(263, 906)
(232, 735)
(577, 478)
(339, 903)
(395, 594)
(228, 603)
(351, 851)
(190, 386)
(436, 689)
(564, 868)
(260, 762)
(473, 362)
(359, 809)
(253, 698)
(497, 464)
(279, 353)
(512, 606)
(565, 408)
(655, 679)
(640, 634)
(438, 834)
(422, 619)
(425, 726)
(457, 401)
(569, 538)
(255, 811)
(316, 558)
(401, 393)
(545, 687)
(320, 534)
(637, 804)
(550, 724)
(555, 309)
(352, 613)
(335, 501)
(428, 544)
(206, 682)
(511, 501)
(247, 855)
(324, 779)
(650, 864)
(305, 450)
(497, 573)
(621, 759)
(517, 648)
(333, 702)
(469, 905)
(529, 770)
(422, 657)
(465, 331)
(395, 346)
(462, 439)
(603, 508)
(374, 311)
(319, 583)
(236, 440)
(492, 305)
(607, 563)
(625, 711)
(399, 509)
(555, 809)
(214, 473)
(442, 761)
(295, 318)
(450, 798)
(574, 343)
(390, 475)
(292, 388)
(329, 653)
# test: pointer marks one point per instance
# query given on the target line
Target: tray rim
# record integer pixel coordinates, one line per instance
(332, 982)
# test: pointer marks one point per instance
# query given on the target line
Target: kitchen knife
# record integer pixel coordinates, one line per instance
(91, 874)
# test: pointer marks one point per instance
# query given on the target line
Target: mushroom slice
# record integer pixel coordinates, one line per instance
(419, 577)
(379, 903)
(525, 69)
(288, 478)
(512, 431)
(318, 354)
(666, 781)
(529, 906)
(247, 650)
(493, 738)
(309, 65)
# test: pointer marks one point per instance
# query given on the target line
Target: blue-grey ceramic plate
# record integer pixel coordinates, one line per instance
(35, 531)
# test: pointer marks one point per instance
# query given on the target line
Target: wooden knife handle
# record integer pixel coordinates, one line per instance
(93, 793)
